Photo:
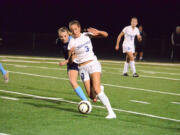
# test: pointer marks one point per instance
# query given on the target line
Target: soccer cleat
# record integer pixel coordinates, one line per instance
(125, 74)
(135, 75)
(111, 116)
(6, 77)
(95, 99)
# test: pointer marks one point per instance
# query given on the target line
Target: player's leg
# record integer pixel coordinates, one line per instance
(135, 55)
(132, 64)
(4, 73)
(126, 66)
(73, 76)
(141, 56)
(141, 53)
(88, 85)
(96, 77)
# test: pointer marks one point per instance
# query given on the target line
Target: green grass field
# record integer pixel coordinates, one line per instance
(38, 100)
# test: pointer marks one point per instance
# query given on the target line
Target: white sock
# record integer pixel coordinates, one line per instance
(132, 65)
(102, 88)
(104, 99)
(126, 66)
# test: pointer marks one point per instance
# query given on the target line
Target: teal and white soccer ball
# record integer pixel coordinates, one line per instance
(84, 107)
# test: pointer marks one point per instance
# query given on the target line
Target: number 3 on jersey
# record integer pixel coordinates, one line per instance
(87, 48)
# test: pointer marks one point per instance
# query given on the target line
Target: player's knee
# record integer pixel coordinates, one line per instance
(131, 58)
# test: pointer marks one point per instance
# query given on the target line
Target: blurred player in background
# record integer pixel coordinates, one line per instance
(89, 67)
(140, 45)
(175, 40)
(4, 73)
(72, 68)
(129, 33)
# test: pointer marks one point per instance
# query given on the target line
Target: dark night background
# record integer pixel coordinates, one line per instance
(44, 17)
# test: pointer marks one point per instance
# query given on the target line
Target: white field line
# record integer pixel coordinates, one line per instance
(155, 72)
(150, 67)
(141, 89)
(116, 109)
(23, 61)
(176, 103)
(167, 78)
(146, 71)
(142, 102)
(33, 58)
(110, 85)
(145, 76)
(30, 95)
(144, 63)
(141, 66)
(63, 59)
(26, 66)
(43, 62)
(23, 66)
(4, 134)
(105, 61)
(9, 98)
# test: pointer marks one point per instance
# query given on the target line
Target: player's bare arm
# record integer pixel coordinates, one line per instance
(139, 38)
(70, 58)
(71, 55)
(97, 33)
(118, 40)
(62, 63)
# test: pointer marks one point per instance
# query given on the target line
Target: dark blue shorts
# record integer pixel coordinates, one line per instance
(72, 66)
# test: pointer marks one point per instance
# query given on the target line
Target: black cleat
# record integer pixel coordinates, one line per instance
(125, 74)
(135, 75)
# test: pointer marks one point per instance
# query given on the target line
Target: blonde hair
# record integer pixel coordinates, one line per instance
(64, 29)
(74, 22)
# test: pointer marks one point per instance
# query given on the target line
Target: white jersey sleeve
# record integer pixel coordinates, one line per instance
(137, 31)
(124, 30)
(70, 45)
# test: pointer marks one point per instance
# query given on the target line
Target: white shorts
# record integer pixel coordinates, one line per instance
(128, 48)
(88, 69)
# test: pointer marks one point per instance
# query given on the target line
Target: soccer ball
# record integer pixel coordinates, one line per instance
(84, 107)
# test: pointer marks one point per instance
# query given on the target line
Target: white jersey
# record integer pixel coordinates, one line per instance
(83, 48)
(129, 35)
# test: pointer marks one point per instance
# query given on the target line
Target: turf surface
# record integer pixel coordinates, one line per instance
(158, 85)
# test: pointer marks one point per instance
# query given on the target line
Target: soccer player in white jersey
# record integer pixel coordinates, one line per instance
(89, 67)
(129, 33)
(72, 68)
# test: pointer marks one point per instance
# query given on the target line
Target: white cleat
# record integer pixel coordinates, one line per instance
(111, 116)
(6, 77)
